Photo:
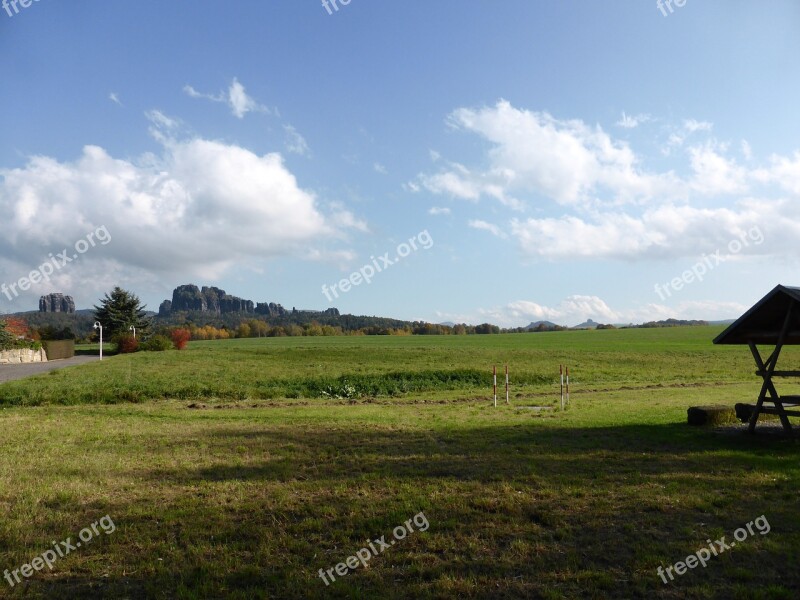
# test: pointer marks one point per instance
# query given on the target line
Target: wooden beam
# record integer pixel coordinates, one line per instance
(780, 373)
(768, 369)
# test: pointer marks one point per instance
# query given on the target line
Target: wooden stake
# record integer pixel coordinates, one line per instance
(494, 374)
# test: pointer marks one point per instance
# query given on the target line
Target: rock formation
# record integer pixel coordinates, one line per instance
(209, 299)
(56, 303)
(214, 300)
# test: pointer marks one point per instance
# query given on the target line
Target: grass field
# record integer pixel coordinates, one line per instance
(297, 451)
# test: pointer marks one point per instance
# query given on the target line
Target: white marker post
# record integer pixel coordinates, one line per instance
(97, 325)
(507, 384)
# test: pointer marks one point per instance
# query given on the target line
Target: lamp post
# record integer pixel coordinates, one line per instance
(133, 329)
(97, 325)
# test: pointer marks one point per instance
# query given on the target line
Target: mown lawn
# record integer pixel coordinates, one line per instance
(249, 496)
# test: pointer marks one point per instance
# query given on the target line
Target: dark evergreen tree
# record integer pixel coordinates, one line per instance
(119, 311)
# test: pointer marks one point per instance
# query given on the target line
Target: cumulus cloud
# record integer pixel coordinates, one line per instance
(535, 154)
(663, 232)
(197, 209)
(714, 174)
(593, 197)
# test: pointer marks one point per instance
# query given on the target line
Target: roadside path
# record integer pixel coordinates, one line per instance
(14, 372)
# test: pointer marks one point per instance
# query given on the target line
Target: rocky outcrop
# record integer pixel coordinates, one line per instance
(56, 303)
(188, 297)
(270, 309)
(165, 308)
(209, 299)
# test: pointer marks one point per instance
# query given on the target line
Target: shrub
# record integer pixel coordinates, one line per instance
(180, 337)
(126, 343)
(14, 333)
(6, 339)
(157, 343)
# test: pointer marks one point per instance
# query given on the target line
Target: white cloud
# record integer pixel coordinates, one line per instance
(664, 232)
(593, 198)
(692, 125)
(197, 209)
(747, 151)
(632, 121)
(162, 121)
(236, 98)
(379, 168)
(538, 155)
(484, 226)
(783, 172)
(681, 134)
(114, 98)
(714, 174)
(577, 309)
(295, 143)
(438, 210)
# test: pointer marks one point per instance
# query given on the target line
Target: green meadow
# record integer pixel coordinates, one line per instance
(240, 468)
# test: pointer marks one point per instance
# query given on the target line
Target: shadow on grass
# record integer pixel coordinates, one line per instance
(523, 511)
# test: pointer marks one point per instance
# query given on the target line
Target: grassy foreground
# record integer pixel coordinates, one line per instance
(250, 500)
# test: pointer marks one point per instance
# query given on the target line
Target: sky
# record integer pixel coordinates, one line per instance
(501, 161)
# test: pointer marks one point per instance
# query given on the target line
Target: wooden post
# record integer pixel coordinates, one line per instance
(768, 369)
(568, 386)
(494, 374)
(507, 384)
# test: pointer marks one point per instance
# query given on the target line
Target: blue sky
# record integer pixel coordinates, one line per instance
(563, 158)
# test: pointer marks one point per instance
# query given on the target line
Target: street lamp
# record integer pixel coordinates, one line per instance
(97, 325)
(133, 329)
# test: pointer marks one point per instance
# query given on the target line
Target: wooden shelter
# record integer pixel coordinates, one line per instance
(772, 321)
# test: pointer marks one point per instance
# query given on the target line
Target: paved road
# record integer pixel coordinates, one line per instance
(12, 372)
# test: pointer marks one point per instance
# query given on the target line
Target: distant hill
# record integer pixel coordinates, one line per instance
(672, 323)
(587, 325)
(536, 324)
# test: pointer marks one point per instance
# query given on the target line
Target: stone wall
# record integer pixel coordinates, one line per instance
(15, 357)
